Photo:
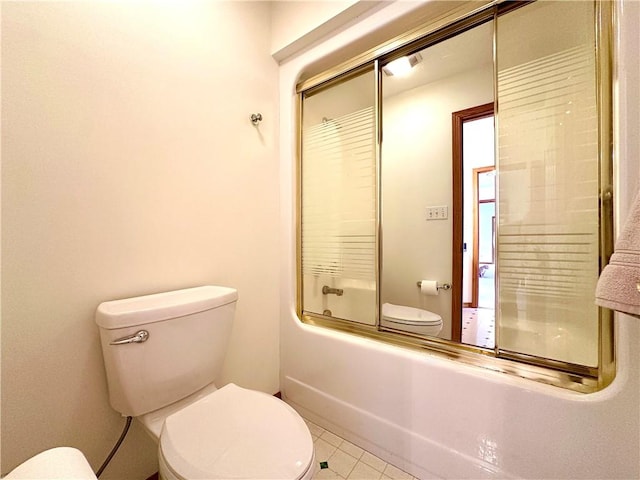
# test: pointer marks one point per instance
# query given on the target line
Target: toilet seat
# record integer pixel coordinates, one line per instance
(409, 315)
(236, 433)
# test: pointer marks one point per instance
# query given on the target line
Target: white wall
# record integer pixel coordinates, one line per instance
(416, 174)
(292, 20)
(438, 418)
(130, 166)
(297, 24)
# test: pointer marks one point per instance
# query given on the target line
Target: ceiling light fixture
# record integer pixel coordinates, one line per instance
(402, 66)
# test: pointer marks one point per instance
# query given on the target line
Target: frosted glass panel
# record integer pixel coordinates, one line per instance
(548, 182)
(339, 201)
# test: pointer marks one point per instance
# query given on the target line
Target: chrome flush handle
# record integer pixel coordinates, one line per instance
(138, 337)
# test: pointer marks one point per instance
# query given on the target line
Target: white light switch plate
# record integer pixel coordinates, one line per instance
(438, 213)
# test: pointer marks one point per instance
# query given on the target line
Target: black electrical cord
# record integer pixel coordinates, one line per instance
(115, 447)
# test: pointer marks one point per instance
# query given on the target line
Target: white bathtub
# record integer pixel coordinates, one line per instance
(436, 418)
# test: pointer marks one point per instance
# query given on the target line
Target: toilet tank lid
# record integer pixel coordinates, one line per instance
(162, 306)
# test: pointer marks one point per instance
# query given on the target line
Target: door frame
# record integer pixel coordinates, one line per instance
(475, 265)
(458, 119)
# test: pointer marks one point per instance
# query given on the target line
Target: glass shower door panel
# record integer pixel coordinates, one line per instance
(548, 215)
(339, 201)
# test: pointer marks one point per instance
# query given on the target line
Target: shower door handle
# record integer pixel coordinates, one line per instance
(138, 337)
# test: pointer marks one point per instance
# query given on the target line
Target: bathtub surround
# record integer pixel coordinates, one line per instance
(548, 224)
(435, 417)
(130, 166)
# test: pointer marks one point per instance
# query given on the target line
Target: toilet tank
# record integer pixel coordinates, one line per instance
(188, 333)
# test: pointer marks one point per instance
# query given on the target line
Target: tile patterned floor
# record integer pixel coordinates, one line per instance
(478, 324)
(478, 327)
(338, 459)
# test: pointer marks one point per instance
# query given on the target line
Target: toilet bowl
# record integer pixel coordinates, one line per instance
(410, 319)
(60, 463)
(162, 353)
(247, 434)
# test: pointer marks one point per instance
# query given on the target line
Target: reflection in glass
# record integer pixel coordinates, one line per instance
(487, 180)
(486, 231)
(416, 167)
(478, 268)
(338, 201)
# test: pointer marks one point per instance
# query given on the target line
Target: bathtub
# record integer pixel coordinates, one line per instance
(437, 418)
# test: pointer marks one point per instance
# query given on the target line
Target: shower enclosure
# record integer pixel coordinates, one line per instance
(381, 193)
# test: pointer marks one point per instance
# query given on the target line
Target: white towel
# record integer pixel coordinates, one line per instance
(619, 284)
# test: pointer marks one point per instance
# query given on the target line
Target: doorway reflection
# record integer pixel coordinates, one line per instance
(479, 273)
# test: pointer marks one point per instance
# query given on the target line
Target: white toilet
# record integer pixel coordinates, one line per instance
(410, 319)
(162, 353)
(60, 463)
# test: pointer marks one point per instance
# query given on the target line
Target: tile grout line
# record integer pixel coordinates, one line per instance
(336, 444)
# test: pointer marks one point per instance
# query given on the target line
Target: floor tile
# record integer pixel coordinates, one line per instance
(314, 429)
(342, 463)
(373, 461)
(346, 461)
(324, 450)
(331, 438)
(396, 474)
(480, 330)
(351, 449)
(363, 471)
(327, 474)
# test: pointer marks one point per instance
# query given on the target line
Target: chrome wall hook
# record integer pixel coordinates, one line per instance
(256, 118)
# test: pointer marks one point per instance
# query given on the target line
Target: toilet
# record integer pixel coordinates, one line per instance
(162, 353)
(410, 319)
(60, 463)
